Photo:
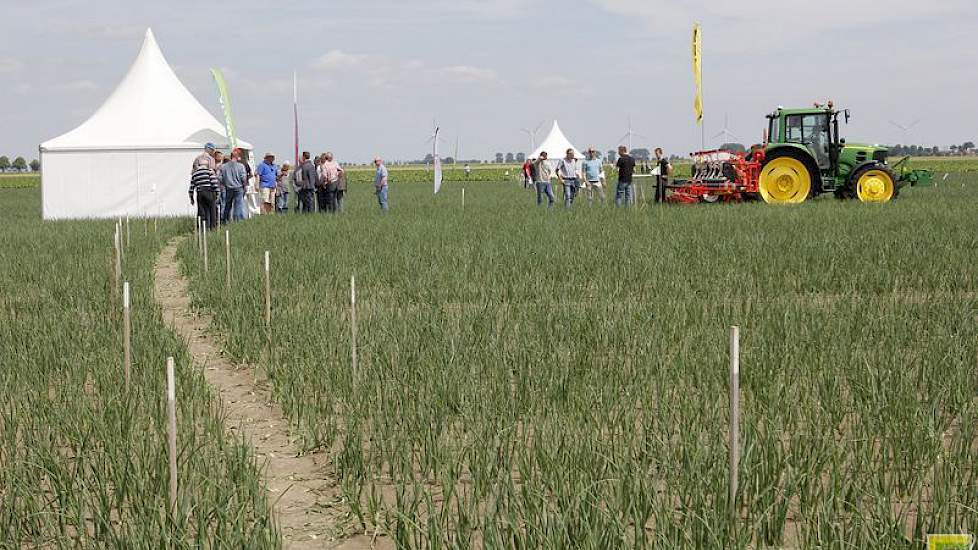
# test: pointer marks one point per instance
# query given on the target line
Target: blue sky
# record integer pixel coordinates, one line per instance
(374, 74)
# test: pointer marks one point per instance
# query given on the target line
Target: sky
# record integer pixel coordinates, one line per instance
(375, 75)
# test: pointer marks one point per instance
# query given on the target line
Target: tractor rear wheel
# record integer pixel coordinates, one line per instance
(785, 179)
(874, 183)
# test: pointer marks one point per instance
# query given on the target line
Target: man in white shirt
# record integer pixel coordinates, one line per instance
(569, 174)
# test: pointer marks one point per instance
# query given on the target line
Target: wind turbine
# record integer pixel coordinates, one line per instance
(906, 129)
(726, 134)
(533, 136)
(630, 134)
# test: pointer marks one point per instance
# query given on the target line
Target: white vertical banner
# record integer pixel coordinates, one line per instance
(437, 162)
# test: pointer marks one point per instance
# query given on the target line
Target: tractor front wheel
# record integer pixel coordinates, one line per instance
(785, 179)
(874, 184)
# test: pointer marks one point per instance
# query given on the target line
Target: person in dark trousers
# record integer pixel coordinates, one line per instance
(624, 194)
(322, 198)
(329, 174)
(203, 185)
(662, 175)
(235, 179)
(306, 179)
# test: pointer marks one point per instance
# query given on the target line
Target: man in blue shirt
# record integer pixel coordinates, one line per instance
(380, 183)
(593, 174)
(235, 179)
(267, 179)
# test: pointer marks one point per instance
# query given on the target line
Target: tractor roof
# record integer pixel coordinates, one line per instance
(803, 111)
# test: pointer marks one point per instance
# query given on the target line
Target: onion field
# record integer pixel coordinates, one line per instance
(533, 378)
(83, 460)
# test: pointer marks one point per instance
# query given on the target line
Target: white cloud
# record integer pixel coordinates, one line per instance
(337, 59)
(465, 73)
(381, 71)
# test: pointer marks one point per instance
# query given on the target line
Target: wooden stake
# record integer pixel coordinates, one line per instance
(171, 412)
(204, 238)
(268, 298)
(122, 248)
(353, 326)
(227, 257)
(126, 332)
(115, 264)
(734, 418)
(128, 234)
(463, 198)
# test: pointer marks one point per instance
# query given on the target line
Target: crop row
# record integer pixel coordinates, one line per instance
(83, 461)
(534, 378)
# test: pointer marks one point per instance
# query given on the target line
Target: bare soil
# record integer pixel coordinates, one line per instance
(302, 488)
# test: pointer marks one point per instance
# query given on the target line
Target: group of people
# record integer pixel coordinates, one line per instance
(218, 185)
(574, 174)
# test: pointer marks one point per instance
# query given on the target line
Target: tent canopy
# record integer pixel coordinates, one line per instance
(150, 109)
(556, 145)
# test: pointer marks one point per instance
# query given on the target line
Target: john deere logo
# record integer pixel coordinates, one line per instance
(950, 542)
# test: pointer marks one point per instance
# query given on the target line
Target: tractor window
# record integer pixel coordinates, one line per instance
(774, 130)
(812, 131)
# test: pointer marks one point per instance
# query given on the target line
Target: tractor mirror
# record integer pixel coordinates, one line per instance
(847, 115)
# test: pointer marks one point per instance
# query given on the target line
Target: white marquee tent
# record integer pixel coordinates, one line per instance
(556, 146)
(133, 156)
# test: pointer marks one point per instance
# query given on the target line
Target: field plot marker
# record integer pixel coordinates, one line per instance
(116, 263)
(227, 257)
(734, 417)
(353, 325)
(128, 234)
(463, 198)
(126, 332)
(204, 239)
(171, 411)
(268, 300)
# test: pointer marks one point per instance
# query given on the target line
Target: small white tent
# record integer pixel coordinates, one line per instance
(133, 156)
(556, 145)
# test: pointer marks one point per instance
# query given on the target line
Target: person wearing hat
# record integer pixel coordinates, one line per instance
(568, 173)
(267, 180)
(205, 159)
(593, 174)
(543, 172)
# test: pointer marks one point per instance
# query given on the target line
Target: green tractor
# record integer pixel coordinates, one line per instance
(805, 155)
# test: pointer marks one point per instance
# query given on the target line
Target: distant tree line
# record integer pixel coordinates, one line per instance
(19, 164)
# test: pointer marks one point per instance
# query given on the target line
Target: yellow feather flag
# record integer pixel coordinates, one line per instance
(698, 73)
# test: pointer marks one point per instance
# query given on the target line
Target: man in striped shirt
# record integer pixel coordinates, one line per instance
(203, 186)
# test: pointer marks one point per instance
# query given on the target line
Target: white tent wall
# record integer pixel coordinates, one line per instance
(112, 184)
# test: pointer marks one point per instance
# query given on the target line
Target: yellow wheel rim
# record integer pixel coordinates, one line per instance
(785, 180)
(875, 186)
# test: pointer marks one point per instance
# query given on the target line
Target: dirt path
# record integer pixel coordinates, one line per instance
(302, 489)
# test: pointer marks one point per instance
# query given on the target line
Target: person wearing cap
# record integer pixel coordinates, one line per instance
(282, 189)
(543, 172)
(381, 179)
(267, 180)
(234, 177)
(205, 159)
(593, 174)
(203, 193)
(569, 175)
